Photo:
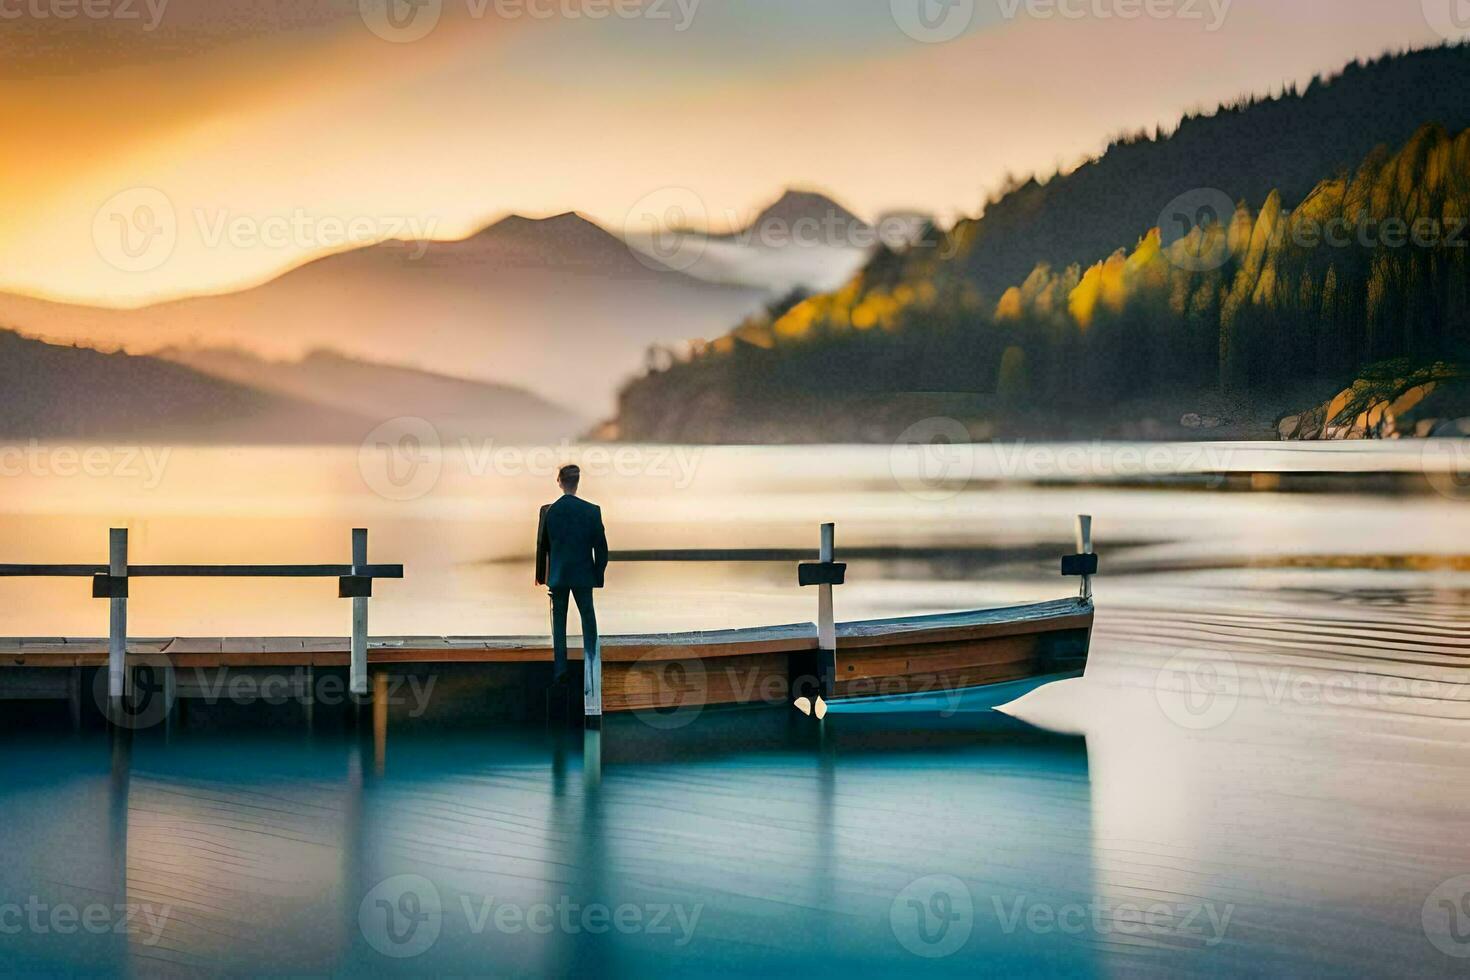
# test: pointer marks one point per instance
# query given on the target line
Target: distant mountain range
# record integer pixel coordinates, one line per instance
(557, 305)
(71, 393)
(214, 395)
(458, 409)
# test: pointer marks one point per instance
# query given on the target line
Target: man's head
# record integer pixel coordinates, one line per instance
(568, 477)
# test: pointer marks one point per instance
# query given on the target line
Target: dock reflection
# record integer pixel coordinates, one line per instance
(743, 839)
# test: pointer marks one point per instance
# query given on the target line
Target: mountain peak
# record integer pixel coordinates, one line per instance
(567, 243)
(798, 205)
(519, 222)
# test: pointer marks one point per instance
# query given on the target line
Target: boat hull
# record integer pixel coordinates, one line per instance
(875, 660)
(984, 698)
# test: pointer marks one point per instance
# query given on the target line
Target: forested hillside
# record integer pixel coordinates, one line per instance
(1246, 261)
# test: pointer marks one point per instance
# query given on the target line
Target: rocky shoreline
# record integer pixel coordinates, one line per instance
(1390, 402)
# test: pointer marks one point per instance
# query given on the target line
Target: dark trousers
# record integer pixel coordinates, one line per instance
(583, 596)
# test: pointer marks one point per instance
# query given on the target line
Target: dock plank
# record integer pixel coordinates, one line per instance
(903, 633)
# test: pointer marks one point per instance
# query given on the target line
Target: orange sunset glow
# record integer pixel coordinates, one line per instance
(275, 138)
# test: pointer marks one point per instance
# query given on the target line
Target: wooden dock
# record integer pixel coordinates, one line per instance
(654, 672)
(141, 681)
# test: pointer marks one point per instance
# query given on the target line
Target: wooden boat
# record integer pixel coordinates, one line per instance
(987, 656)
(1009, 651)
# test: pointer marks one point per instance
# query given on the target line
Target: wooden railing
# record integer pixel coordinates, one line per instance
(354, 581)
(110, 581)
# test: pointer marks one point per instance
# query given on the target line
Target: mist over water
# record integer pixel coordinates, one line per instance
(1263, 770)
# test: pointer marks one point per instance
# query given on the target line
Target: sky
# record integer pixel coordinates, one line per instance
(158, 148)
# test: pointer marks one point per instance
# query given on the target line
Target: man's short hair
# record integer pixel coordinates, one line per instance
(569, 475)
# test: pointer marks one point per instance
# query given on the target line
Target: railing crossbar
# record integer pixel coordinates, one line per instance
(205, 571)
(110, 582)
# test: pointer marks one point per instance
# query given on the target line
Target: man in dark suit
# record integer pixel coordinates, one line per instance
(571, 560)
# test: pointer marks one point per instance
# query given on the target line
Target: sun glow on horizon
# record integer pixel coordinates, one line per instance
(233, 164)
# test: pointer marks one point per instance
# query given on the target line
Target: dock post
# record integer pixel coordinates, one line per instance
(592, 682)
(826, 620)
(117, 632)
(591, 760)
(74, 698)
(1084, 547)
(308, 696)
(380, 722)
(357, 672)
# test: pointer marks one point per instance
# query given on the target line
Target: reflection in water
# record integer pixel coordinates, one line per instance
(750, 842)
(1264, 773)
(511, 853)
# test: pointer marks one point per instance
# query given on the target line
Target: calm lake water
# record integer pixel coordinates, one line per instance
(1264, 770)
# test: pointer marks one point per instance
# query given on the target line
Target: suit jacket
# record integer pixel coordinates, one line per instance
(571, 545)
